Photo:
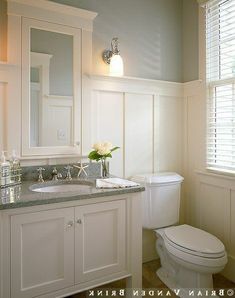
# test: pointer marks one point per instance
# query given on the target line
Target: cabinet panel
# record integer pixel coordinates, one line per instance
(138, 134)
(100, 240)
(42, 252)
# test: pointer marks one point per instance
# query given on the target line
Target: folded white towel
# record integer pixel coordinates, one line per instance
(114, 183)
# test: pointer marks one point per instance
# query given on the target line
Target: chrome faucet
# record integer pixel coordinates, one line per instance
(68, 174)
(40, 176)
(56, 175)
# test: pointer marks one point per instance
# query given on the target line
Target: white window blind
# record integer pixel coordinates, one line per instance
(220, 64)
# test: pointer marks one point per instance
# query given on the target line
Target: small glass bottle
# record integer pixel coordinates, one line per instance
(16, 170)
(5, 171)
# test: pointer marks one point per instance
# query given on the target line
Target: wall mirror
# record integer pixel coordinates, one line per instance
(51, 114)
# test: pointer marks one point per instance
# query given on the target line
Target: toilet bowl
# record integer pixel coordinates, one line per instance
(189, 257)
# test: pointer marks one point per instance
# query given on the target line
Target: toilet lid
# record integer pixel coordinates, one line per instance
(194, 240)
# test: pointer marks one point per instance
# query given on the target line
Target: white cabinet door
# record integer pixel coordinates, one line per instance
(100, 240)
(138, 134)
(42, 252)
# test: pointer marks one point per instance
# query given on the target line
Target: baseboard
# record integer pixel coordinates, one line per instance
(229, 270)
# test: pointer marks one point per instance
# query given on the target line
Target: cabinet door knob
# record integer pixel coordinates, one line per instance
(70, 224)
(79, 221)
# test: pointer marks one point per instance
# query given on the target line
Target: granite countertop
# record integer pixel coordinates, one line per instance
(23, 196)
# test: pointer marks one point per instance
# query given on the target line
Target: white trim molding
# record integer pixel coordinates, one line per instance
(54, 12)
(131, 84)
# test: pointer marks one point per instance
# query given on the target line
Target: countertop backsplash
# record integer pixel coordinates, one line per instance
(31, 173)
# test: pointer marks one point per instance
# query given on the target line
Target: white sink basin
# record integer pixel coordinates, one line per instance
(61, 187)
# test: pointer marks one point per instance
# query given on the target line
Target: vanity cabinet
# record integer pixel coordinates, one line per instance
(42, 252)
(61, 248)
(100, 240)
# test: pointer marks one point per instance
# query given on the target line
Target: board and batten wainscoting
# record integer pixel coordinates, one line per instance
(210, 203)
(146, 119)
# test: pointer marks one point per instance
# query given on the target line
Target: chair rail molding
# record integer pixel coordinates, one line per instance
(133, 84)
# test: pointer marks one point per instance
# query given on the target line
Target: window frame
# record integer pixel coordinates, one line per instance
(208, 88)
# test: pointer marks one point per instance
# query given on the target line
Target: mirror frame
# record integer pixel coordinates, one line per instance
(27, 150)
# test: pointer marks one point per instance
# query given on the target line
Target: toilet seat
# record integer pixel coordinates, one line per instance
(206, 262)
(194, 242)
(185, 243)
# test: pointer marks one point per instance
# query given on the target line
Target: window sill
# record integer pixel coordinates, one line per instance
(217, 178)
(225, 173)
(216, 172)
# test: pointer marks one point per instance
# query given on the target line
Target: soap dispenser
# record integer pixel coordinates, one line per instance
(5, 170)
(15, 168)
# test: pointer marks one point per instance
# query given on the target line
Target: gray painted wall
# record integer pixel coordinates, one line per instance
(149, 31)
(190, 40)
(158, 38)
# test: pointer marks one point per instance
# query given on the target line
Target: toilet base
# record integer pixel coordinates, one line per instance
(181, 276)
(170, 283)
(181, 292)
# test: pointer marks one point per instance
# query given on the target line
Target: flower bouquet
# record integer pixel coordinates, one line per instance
(102, 150)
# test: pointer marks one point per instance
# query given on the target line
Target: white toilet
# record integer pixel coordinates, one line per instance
(189, 256)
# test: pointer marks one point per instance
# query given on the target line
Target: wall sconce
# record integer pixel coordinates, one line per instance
(113, 58)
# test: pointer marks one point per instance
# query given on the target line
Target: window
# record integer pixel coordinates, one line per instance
(220, 64)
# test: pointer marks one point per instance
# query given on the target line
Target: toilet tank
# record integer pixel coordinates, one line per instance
(161, 199)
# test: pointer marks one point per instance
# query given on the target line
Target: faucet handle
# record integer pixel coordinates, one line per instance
(68, 174)
(54, 171)
(40, 176)
(54, 174)
(59, 176)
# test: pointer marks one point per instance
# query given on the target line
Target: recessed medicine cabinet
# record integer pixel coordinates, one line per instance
(51, 101)
(56, 42)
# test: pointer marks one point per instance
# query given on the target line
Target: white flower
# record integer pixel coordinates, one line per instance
(108, 145)
(97, 146)
(103, 148)
(103, 151)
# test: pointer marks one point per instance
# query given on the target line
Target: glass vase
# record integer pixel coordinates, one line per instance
(104, 168)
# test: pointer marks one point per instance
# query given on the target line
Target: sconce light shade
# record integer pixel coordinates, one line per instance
(116, 66)
(113, 58)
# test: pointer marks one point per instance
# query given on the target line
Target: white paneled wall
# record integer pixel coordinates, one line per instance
(107, 124)
(232, 211)
(170, 133)
(210, 198)
(143, 117)
(139, 134)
